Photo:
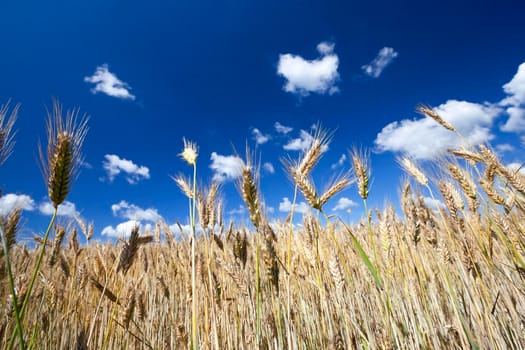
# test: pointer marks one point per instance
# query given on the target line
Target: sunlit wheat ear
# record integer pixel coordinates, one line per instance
(184, 185)
(190, 152)
(408, 165)
(319, 144)
(64, 143)
(6, 133)
(472, 157)
(10, 227)
(337, 186)
(429, 112)
(307, 188)
(248, 187)
(59, 237)
(130, 251)
(361, 171)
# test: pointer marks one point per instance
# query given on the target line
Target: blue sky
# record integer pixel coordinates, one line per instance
(227, 73)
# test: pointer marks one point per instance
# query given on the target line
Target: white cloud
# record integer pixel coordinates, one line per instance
(340, 162)
(306, 76)
(122, 230)
(281, 129)
(517, 167)
(426, 139)
(503, 147)
(269, 168)
(132, 212)
(515, 88)
(516, 121)
(114, 165)
(302, 143)
(66, 209)
(259, 137)
(12, 201)
(108, 83)
(286, 206)
(226, 167)
(385, 56)
(344, 203)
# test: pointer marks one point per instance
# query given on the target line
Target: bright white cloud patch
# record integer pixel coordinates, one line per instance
(281, 129)
(344, 203)
(286, 206)
(268, 167)
(302, 143)
(433, 204)
(515, 102)
(426, 139)
(108, 83)
(259, 137)
(122, 230)
(114, 165)
(226, 168)
(11, 201)
(310, 76)
(66, 209)
(129, 211)
(385, 56)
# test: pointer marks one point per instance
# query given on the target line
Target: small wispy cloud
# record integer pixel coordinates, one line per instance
(66, 209)
(114, 165)
(339, 163)
(241, 210)
(302, 143)
(225, 168)
(285, 206)
(259, 137)
(11, 201)
(125, 210)
(310, 76)
(108, 83)
(281, 129)
(268, 167)
(344, 204)
(385, 56)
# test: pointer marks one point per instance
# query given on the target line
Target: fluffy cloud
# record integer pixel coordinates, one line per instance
(12, 201)
(226, 167)
(268, 167)
(515, 102)
(286, 206)
(122, 230)
(426, 139)
(344, 203)
(340, 162)
(108, 83)
(307, 76)
(66, 209)
(132, 212)
(433, 204)
(114, 165)
(281, 129)
(385, 56)
(302, 143)
(259, 137)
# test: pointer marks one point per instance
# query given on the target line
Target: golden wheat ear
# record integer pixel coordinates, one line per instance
(64, 157)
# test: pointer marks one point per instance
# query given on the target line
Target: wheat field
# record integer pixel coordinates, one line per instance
(406, 276)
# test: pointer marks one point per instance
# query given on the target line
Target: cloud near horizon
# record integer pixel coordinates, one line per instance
(384, 57)
(66, 209)
(310, 76)
(114, 165)
(108, 83)
(285, 206)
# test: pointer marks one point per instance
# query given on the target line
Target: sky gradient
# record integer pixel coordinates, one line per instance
(226, 74)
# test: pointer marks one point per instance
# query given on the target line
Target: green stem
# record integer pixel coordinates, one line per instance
(13, 291)
(35, 273)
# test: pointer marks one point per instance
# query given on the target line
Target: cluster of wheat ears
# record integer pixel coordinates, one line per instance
(426, 278)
